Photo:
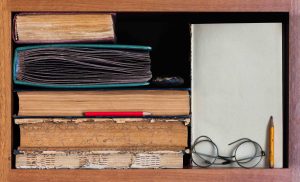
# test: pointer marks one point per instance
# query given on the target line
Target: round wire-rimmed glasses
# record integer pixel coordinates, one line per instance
(247, 153)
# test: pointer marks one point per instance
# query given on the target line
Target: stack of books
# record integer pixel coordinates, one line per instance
(72, 80)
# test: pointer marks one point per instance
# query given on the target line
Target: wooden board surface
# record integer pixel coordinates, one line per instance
(150, 5)
(199, 175)
(5, 92)
(294, 91)
(8, 174)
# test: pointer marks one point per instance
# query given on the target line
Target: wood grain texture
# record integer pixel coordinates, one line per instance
(294, 91)
(151, 5)
(5, 92)
(199, 175)
(3, 138)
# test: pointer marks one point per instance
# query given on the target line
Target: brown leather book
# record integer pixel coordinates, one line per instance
(144, 134)
(76, 103)
(63, 27)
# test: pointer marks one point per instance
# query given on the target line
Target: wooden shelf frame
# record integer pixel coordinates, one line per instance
(7, 7)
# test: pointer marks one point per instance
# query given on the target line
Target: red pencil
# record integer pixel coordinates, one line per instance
(113, 114)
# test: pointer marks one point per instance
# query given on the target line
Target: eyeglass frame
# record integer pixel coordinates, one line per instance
(229, 159)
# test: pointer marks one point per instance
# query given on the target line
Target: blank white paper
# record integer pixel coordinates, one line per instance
(237, 84)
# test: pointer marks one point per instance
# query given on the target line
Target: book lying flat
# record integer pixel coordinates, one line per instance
(63, 27)
(103, 133)
(98, 159)
(75, 103)
(82, 65)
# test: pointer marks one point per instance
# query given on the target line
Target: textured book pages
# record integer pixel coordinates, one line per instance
(98, 159)
(129, 134)
(75, 103)
(63, 27)
(19, 121)
(237, 84)
(82, 65)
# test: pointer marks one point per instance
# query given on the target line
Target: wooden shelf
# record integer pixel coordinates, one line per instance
(198, 175)
(7, 7)
(151, 5)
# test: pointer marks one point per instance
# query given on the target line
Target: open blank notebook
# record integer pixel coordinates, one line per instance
(237, 84)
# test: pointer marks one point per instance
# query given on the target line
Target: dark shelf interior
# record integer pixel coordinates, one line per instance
(169, 36)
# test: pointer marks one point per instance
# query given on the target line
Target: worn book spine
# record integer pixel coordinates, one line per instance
(63, 27)
(75, 103)
(98, 159)
(105, 134)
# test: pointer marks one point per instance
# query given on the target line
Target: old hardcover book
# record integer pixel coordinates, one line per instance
(82, 65)
(63, 27)
(75, 103)
(98, 159)
(103, 134)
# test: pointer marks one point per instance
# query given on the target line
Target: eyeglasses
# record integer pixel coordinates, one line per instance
(247, 153)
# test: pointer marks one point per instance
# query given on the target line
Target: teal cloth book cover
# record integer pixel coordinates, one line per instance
(82, 66)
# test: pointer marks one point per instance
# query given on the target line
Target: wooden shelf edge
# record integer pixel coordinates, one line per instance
(18, 175)
(150, 5)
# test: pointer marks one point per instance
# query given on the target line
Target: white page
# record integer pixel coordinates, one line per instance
(237, 84)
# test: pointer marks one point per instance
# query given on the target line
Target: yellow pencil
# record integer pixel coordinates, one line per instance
(271, 143)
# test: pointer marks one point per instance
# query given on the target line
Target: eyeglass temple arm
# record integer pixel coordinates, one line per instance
(206, 138)
(227, 160)
(239, 140)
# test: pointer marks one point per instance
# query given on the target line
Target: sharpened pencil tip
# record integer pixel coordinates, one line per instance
(147, 113)
(271, 121)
